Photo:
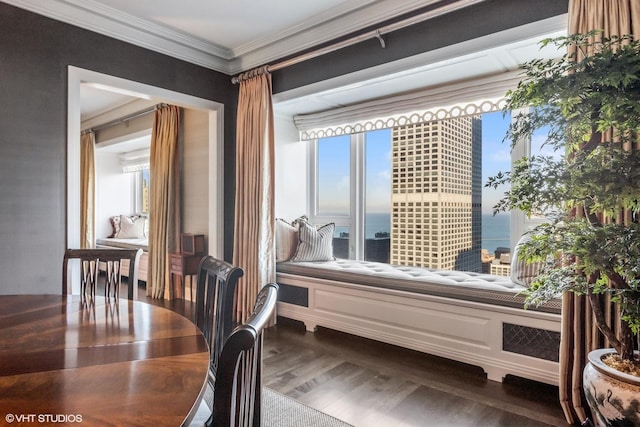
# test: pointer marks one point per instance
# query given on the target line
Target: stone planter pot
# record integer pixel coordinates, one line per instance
(613, 396)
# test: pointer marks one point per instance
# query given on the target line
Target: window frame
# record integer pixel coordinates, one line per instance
(520, 223)
(137, 192)
(355, 221)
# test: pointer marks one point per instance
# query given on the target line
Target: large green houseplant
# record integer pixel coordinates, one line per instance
(588, 102)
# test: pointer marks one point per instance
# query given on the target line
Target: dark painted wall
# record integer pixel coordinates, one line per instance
(472, 22)
(35, 53)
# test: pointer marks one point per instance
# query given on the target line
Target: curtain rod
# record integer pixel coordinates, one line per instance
(447, 8)
(125, 118)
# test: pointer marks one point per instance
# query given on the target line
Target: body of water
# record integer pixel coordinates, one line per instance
(495, 229)
(377, 223)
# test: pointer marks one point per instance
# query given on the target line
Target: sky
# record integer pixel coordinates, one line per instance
(334, 160)
(496, 155)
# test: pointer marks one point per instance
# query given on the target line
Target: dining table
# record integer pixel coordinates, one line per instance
(76, 360)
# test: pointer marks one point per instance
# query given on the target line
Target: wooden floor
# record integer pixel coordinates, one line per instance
(368, 383)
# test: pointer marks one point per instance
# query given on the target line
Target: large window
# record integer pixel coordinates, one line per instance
(414, 194)
(334, 192)
(352, 189)
(377, 194)
(141, 191)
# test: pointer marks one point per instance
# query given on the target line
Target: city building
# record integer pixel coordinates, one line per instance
(436, 194)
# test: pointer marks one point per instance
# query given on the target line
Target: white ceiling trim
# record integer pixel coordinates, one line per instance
(322, 28)
(311, 25)
(117, 112)
(325, 28)
(93, 16)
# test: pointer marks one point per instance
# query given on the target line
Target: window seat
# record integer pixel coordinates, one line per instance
(469, 317)
(142, 243)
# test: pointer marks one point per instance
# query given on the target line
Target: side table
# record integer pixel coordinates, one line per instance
(184, 265)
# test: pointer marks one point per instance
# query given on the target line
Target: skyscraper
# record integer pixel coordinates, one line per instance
(437, 193)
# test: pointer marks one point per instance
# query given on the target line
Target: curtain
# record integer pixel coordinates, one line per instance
(254, 243)
(87, 189)
(164, 210)
(579, 334)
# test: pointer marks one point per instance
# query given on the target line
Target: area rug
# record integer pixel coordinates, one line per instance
(278, 410)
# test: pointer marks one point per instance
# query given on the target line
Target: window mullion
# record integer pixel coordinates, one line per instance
(312, 159)
(358, 195)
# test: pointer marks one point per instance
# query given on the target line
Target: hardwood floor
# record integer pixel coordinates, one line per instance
(368, 383)
(372, 384)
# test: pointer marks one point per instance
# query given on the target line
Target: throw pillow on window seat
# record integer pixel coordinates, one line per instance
(132, 228)
(314, 244)
(115, 225)
(522, 272)
(286, 240)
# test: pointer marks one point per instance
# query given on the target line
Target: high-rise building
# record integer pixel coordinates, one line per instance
(437, 194)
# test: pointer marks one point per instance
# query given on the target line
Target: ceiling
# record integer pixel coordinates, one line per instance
(227, 36)
(234, 36)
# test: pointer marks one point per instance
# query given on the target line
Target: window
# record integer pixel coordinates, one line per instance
(496, 229)
(377, 203)
(135, 160)
(352, 190)
(141, 189)
(334, 192)
(414, 194)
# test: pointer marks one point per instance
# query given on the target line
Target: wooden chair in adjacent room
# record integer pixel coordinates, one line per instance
(217, 280)
(237, 397)
(113, 261)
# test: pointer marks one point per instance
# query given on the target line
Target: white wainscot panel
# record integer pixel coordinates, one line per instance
(387, 314)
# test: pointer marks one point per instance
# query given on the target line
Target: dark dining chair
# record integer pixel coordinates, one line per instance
(217, 280)
(113, 261)
(238, 392)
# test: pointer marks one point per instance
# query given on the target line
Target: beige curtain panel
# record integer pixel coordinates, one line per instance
(579, 332)
(87, 189)
(164, 210)
(254, 242)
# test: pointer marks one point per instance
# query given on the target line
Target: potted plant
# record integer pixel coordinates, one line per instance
(588, 104)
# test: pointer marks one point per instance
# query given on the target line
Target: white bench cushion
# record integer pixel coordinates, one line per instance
(464, 285)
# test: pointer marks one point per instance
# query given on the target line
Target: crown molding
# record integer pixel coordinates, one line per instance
(93, 16)
(322, 28)
(116, 113)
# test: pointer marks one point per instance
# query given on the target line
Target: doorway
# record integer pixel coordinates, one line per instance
(214, 111)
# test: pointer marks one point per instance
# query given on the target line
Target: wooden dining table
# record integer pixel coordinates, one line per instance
(69, 360)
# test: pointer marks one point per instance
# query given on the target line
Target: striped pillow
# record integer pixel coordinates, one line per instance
(314, 244)
(286, 240)
(523, 272)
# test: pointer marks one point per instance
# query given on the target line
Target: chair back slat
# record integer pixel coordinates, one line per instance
(238, 391)
(90, 260)
(217, 280)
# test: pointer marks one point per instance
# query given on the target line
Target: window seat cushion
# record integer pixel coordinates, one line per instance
(462, 285)
(112, 242)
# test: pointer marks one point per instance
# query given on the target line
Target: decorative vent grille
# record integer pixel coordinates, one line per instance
(295, 295)
(538, 343)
